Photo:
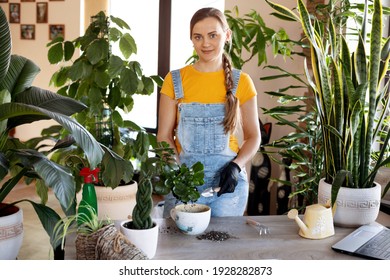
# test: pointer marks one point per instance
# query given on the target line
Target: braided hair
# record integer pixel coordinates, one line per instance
(232, 116)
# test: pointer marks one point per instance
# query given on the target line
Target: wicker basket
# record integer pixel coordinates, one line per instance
(86, 243)
(106, 244)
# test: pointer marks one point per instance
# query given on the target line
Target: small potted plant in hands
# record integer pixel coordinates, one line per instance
(162, 174)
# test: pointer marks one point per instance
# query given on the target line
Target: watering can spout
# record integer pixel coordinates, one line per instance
(293, 214)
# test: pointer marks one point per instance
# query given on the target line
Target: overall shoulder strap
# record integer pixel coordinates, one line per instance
(236, 78)
(177, 84)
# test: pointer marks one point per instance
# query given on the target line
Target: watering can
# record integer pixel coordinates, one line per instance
(317, 221)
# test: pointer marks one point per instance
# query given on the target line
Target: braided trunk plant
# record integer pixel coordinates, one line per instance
(144, 204)
(162, 174)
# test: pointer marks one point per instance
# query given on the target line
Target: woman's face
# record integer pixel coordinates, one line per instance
(209, 37)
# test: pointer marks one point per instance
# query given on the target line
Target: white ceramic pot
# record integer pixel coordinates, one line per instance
(11, 234)
(354, 207)
(191, 219)
(116, 204)
(144, 239)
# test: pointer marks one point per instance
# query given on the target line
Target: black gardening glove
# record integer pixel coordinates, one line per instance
(229, 178)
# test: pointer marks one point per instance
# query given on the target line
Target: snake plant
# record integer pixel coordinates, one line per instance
(351, 99)
(22, 103)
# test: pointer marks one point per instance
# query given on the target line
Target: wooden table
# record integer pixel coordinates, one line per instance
(245, 242)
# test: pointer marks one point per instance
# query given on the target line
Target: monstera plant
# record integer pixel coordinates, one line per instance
(22, 103)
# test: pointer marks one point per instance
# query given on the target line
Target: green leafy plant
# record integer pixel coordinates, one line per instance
(251, 37)
(299, 151)
(163, 174)
(22, 103)
(80, 223)
(349, 99)
(106, 83)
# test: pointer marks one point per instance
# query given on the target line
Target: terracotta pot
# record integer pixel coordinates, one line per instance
(144, 239)
(353, 207)
(11, 233)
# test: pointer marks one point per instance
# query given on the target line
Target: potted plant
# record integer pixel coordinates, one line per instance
(106, 83)
(23, 103)
(162, 174)
(350, 102)
(96, 239)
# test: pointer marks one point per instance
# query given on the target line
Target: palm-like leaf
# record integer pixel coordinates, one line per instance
(82, 137)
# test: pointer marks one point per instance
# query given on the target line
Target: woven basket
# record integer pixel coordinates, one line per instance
(106, 244)
(86, 243)
(118, 247)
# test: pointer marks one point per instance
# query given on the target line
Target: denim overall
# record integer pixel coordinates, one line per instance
(202, 138)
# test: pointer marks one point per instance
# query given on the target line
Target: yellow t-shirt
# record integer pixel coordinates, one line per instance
(206, 88)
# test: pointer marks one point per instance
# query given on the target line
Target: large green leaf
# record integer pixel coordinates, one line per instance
(56, 53)
(49, 219)
(115, 66)
(82, 137)
(127, 45)
(5, 44)
(129, 81)
(118, 169)
(97, 51)
(20, 75)
(56, 176)
(50, 101)
(283, 12)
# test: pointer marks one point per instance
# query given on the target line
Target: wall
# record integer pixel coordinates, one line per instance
(71, 13)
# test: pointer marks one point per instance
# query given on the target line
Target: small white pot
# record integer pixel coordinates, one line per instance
(354, 206)
(144, 239)
(11, 234)
(191, 219)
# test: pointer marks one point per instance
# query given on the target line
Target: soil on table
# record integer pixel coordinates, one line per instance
(214, 235)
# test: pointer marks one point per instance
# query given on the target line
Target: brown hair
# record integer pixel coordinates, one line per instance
(231, 119)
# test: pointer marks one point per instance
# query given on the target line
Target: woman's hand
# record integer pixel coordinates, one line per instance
(229, 178)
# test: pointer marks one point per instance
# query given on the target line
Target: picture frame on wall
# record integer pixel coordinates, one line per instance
(27, 0)
(27, 31)
(42, 12)
(14, 12)
(56, 30)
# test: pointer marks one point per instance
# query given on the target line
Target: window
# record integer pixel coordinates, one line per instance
(142, 17)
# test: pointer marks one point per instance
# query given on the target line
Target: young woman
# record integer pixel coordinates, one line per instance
(201, 108)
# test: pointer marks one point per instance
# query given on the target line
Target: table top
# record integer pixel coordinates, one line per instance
(244, 242)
